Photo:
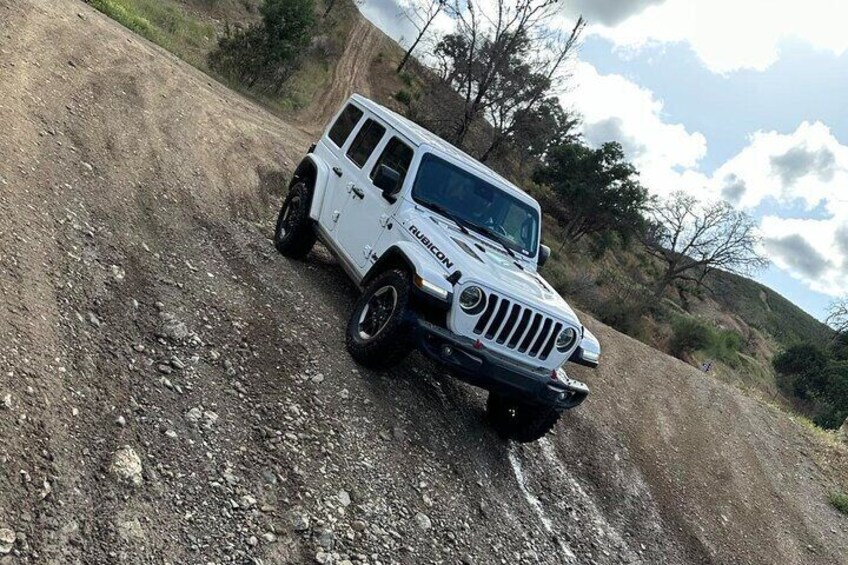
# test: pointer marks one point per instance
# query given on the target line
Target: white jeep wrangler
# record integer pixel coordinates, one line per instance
(446, 252)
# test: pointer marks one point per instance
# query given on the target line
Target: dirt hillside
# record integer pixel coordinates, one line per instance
(173, 391)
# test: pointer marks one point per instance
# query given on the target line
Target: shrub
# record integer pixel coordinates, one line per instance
(403, 97)
(800, 359)
(266, 53)
(808, 372)
(839, 500)
(624, 317)
(689, 335)
(724, 345)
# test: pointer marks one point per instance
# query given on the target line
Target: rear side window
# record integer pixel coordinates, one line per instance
(345, 123)
(397, 155)
(365, 141)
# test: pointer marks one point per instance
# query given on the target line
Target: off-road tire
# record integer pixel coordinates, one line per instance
(393, 340)
(521, 422)
(294, 234)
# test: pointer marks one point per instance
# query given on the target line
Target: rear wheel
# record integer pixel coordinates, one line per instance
(378, 333)
(521, 422)
(294, 235)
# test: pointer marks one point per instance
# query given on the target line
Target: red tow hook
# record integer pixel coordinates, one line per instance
(554, 376)
(478, 344)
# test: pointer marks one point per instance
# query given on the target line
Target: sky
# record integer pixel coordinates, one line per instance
(745, 101)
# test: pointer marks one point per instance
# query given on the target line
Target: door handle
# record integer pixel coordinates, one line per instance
(338, 171)
(358, 192)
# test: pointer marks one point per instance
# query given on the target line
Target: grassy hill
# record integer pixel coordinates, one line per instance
(766, 310)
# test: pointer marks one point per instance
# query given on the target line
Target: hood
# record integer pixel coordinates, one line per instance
(485, 262)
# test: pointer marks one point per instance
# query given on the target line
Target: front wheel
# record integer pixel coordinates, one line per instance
(521, 422)
(294, 235)
(378, 333)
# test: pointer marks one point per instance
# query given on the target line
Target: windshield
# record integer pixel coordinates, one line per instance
(476, 204)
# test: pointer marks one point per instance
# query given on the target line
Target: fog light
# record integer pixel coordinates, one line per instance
(561, 396)
(447, 350)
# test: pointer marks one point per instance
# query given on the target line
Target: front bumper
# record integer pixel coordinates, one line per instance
(497, 373)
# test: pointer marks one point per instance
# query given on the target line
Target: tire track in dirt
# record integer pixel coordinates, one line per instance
(536, 505)
(350, 75)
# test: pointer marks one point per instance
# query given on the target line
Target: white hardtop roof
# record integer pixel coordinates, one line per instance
(422, 136)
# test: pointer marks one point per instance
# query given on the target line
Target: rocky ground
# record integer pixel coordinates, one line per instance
(173, 391)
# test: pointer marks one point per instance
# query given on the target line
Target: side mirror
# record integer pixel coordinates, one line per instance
(387, 180)
(544, 254)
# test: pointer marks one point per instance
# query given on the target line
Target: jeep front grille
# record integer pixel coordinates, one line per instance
(515, 326)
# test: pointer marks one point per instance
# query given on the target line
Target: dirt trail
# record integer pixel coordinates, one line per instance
(350, 74)
(143, 306)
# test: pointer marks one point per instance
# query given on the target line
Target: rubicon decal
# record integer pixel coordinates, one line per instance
(440, 255)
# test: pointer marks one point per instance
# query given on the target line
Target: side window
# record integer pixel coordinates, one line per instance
(365, 141)
(397, 155)
(345, 123)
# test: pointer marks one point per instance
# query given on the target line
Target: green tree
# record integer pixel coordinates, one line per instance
(804, 368)
(597, 190)
(502, 58)
(810, 373)
(534, 130)
(266, 53)
(689, 335)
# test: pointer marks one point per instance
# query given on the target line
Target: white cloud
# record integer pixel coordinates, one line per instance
(728, 35)
(808, 167)
(806, 171)
(616, 109)
(810, 250)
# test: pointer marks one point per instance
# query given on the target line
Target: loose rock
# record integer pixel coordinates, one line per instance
(174, 330)
(7, 540)
(423, 521)
(126, 466)
(300, 523)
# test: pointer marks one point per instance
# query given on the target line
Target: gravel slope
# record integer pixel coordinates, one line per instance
(145, 314)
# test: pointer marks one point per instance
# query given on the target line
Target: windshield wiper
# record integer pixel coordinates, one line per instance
(464, 225)
(495, 236)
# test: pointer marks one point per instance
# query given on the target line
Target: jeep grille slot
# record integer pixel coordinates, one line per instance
(520, 329)
(546, 350)
(543, 335)
(531, 333)
(487, 315)
(498, 319)
(512, 325)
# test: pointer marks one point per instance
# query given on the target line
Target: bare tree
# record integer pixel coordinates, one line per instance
(421, 14)
(513, 51)
(837, 315)
(692, 239)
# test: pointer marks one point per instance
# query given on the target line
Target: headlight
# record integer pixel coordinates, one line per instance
(472, 299)
(566, 339)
